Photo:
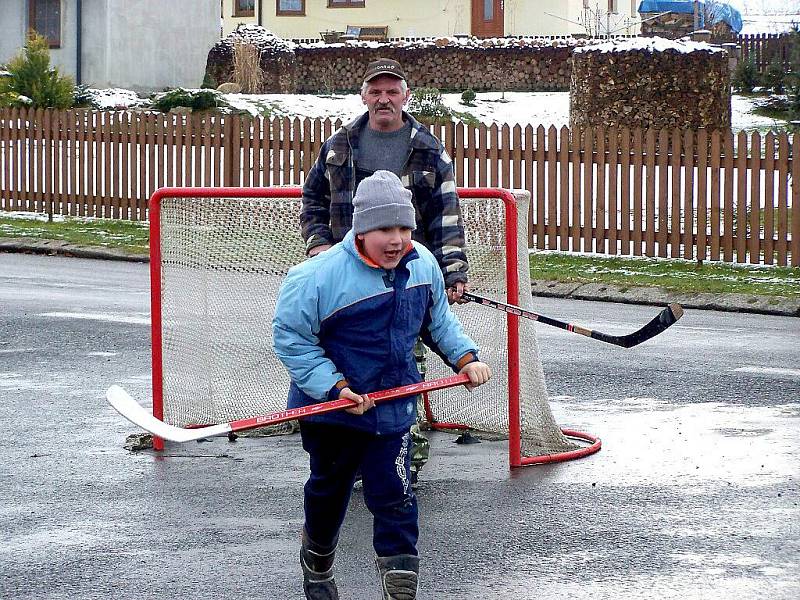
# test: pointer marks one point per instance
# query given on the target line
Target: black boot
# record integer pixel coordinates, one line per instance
(317, 564)
(398, 575)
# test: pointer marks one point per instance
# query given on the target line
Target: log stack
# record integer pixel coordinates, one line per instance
(650, 83)
(438, 64)
(500, 64)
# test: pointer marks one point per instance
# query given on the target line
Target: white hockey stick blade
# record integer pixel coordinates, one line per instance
(138, 415)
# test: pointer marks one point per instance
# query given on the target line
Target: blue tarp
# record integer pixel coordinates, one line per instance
(720, 11)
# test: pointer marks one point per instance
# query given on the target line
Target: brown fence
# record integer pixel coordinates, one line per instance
(695, 195)
(763, 48)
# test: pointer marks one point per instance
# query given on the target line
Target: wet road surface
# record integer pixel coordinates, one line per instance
(694, 494)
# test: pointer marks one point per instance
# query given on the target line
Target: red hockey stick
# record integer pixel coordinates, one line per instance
(138, 415)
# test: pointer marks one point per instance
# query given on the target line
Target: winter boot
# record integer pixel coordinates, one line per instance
(398, 575)
(317, 564)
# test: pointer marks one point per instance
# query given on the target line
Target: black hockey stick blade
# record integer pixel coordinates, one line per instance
(661, 322)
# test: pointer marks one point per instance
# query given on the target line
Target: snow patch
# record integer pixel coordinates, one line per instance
(650, 44)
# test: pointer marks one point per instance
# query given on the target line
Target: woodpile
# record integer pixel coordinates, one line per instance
(446, 67)
(501, 64)
(660, 84)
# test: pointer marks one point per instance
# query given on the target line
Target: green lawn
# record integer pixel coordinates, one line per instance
(124, 235)
(672, 274)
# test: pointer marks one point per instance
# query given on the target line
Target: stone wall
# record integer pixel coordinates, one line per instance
(650, 82)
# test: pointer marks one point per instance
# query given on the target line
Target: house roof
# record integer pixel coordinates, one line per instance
(719, 12)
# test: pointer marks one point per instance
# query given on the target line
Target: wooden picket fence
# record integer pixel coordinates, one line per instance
(764, 48)
(691, 194)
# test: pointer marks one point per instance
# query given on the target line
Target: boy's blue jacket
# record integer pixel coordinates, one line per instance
(339, 318)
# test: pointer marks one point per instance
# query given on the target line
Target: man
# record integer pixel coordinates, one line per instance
(388, 138)
(345, 324)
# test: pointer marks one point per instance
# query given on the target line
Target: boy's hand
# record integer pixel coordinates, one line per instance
(454, 293)
(362, 403)
(478, 372)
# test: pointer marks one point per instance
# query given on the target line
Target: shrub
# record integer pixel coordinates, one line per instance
(774, 77)
(82, 97)
(209, 82)
(468, 97)
(194, 99)
(745, 76)
(427, 106)
(31, 76)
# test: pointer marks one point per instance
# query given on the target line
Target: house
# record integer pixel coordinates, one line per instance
(310, 19)
(674, 19)
(144, 45)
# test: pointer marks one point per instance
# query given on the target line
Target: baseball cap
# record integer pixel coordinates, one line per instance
(384, 66)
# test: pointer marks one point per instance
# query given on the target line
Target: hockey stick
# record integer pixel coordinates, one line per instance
(138, 415)
(662, 321)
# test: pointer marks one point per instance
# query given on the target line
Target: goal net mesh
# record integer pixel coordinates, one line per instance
(222, 261)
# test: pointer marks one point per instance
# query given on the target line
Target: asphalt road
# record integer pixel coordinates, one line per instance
(694, 494)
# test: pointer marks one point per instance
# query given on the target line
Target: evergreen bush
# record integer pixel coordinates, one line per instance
(745, 76)
(194, 99)
(32, 81)
(468, 97)
(427, 106)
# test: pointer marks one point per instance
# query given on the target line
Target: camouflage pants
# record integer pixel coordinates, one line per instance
(420, 446)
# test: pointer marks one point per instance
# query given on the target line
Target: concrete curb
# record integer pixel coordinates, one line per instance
(768, 305)
(62, 248)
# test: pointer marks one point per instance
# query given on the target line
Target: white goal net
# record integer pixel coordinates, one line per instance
(218, 258)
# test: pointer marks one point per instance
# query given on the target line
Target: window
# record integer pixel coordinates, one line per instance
(345, 3)
(612, 6)
(45, 19)
(244, 8)
(291, 8)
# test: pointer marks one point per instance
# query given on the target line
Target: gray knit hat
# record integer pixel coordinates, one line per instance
(382, 201)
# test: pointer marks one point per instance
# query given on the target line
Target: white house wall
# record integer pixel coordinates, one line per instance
(14, 25)
(424, 18)
(13, 22)
(148, 45)
(144, 45)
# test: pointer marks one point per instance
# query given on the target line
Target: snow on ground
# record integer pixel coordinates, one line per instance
(523, 108)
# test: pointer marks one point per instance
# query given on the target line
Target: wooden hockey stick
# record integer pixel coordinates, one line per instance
(138, 415)
(662, 321)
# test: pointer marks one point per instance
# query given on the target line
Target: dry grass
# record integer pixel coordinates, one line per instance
(247, 68)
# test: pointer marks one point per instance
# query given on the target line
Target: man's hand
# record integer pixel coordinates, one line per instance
(317, 249)
(362, 403)
(478, 372)
(454, 293)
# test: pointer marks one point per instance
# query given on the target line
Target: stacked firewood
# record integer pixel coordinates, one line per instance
(442, 66)
(663, 84)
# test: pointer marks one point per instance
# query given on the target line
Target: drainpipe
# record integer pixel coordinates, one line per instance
(260, 7)
(79, 43)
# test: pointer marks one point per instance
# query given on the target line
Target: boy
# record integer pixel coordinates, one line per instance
(345, 324)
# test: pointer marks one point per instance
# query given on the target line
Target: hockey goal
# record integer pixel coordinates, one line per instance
(218, 256)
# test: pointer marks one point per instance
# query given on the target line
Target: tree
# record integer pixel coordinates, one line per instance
(32, 81)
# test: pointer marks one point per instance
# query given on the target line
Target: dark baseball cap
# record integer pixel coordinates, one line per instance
(384, 66)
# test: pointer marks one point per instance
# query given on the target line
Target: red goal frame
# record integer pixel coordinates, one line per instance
(516, 459)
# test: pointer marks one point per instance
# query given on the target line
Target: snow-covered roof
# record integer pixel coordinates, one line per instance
(650, 44)
(717, 11)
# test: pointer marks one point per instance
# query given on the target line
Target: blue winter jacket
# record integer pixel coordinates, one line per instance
(339, 318)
